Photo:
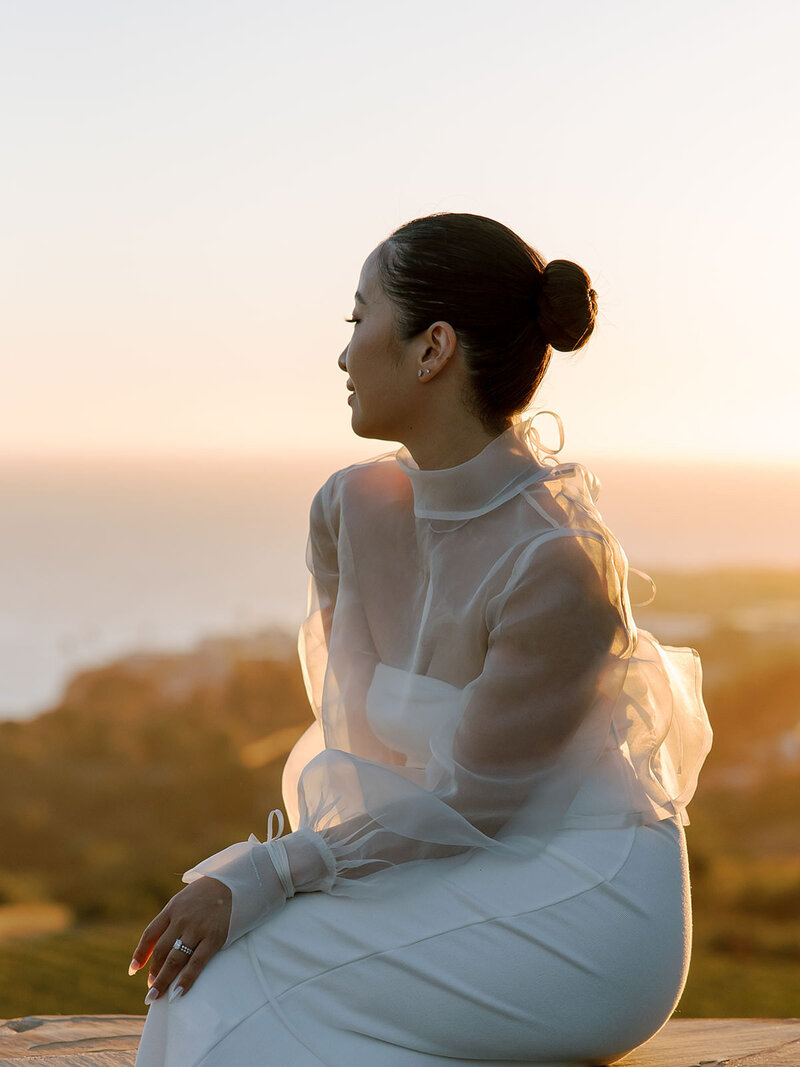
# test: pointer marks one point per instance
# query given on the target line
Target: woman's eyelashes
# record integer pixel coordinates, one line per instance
(352, 320)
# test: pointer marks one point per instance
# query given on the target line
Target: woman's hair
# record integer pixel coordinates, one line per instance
(507, 306)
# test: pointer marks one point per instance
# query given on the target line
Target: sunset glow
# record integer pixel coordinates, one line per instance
(191, 192)
(195, 637)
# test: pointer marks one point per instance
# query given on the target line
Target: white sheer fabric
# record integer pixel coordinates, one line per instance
(259, 874)
(475, 671)
(482, 698)
(477, 678)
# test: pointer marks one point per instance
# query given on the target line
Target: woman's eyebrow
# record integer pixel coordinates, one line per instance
(360, 298)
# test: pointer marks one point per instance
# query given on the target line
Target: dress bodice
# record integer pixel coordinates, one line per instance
(405, 709)
(474, 666)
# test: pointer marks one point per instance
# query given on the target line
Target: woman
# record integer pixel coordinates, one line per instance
(488, 861)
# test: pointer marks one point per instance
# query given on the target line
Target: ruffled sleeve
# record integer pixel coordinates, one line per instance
(477, 680)
(336, 647)
(504, 763)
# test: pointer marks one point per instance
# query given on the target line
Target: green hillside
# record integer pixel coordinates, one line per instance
(153, 762)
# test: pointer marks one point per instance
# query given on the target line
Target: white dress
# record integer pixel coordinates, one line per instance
(497, 772)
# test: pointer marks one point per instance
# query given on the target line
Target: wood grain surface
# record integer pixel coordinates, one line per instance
(111, 1041)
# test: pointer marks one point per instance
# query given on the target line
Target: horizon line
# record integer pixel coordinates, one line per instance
(359, 455)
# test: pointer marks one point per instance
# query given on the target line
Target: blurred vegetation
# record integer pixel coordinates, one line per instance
(143, 769)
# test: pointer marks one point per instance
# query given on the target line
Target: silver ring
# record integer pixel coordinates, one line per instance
(183, 948)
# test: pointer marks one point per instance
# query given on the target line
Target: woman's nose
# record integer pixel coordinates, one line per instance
(342, 361)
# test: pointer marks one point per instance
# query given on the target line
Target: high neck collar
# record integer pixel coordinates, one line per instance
(484, 482)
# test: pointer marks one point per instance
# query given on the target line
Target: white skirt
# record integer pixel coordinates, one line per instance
(574, 957)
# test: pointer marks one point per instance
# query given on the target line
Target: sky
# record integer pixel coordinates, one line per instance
(190, 188)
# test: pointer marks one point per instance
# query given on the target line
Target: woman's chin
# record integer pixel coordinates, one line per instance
(359, 429)
(360, 425)
(364, 428)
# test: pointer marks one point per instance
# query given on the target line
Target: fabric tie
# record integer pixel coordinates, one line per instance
(271, 835)
(643, 603)
(278, 852)
(535, 440)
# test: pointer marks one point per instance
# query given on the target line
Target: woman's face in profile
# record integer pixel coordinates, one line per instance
(380, 371)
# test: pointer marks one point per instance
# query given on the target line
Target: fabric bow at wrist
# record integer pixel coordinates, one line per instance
(262, 876)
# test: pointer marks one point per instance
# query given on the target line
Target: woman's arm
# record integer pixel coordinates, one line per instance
(531, 726)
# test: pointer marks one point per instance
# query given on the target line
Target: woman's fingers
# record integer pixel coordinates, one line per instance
(141, 954)
(196, 962)
(164, 953)
(198, 915)
(167, 963)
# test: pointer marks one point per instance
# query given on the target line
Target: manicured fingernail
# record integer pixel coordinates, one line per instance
(151, 996)
(150, 979)
(134, 966)
(176, 992)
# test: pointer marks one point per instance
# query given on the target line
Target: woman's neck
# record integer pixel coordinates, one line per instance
(446, 445)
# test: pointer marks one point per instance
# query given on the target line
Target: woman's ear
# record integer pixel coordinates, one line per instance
(439, 345)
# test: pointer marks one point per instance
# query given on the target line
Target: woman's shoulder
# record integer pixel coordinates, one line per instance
(358, 486)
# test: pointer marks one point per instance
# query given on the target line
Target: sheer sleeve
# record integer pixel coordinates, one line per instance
(315, 635)
(338, 662)
(476, 677)
(569, 695)
(538, 716)
(507, 761)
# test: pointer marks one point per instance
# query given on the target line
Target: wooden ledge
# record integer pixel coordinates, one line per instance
(111, 1041)
(713, 1042)
(71, 1040)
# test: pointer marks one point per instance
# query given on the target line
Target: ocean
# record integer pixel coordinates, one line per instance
(102, 558)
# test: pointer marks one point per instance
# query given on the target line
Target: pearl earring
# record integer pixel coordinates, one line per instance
(421, 372)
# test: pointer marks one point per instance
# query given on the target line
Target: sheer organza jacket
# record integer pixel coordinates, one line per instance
(475, 671)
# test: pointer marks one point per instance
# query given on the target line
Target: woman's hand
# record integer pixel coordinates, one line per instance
(199, 915)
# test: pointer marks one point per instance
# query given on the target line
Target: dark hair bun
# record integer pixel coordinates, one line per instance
(508, 306)
(567, 305)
